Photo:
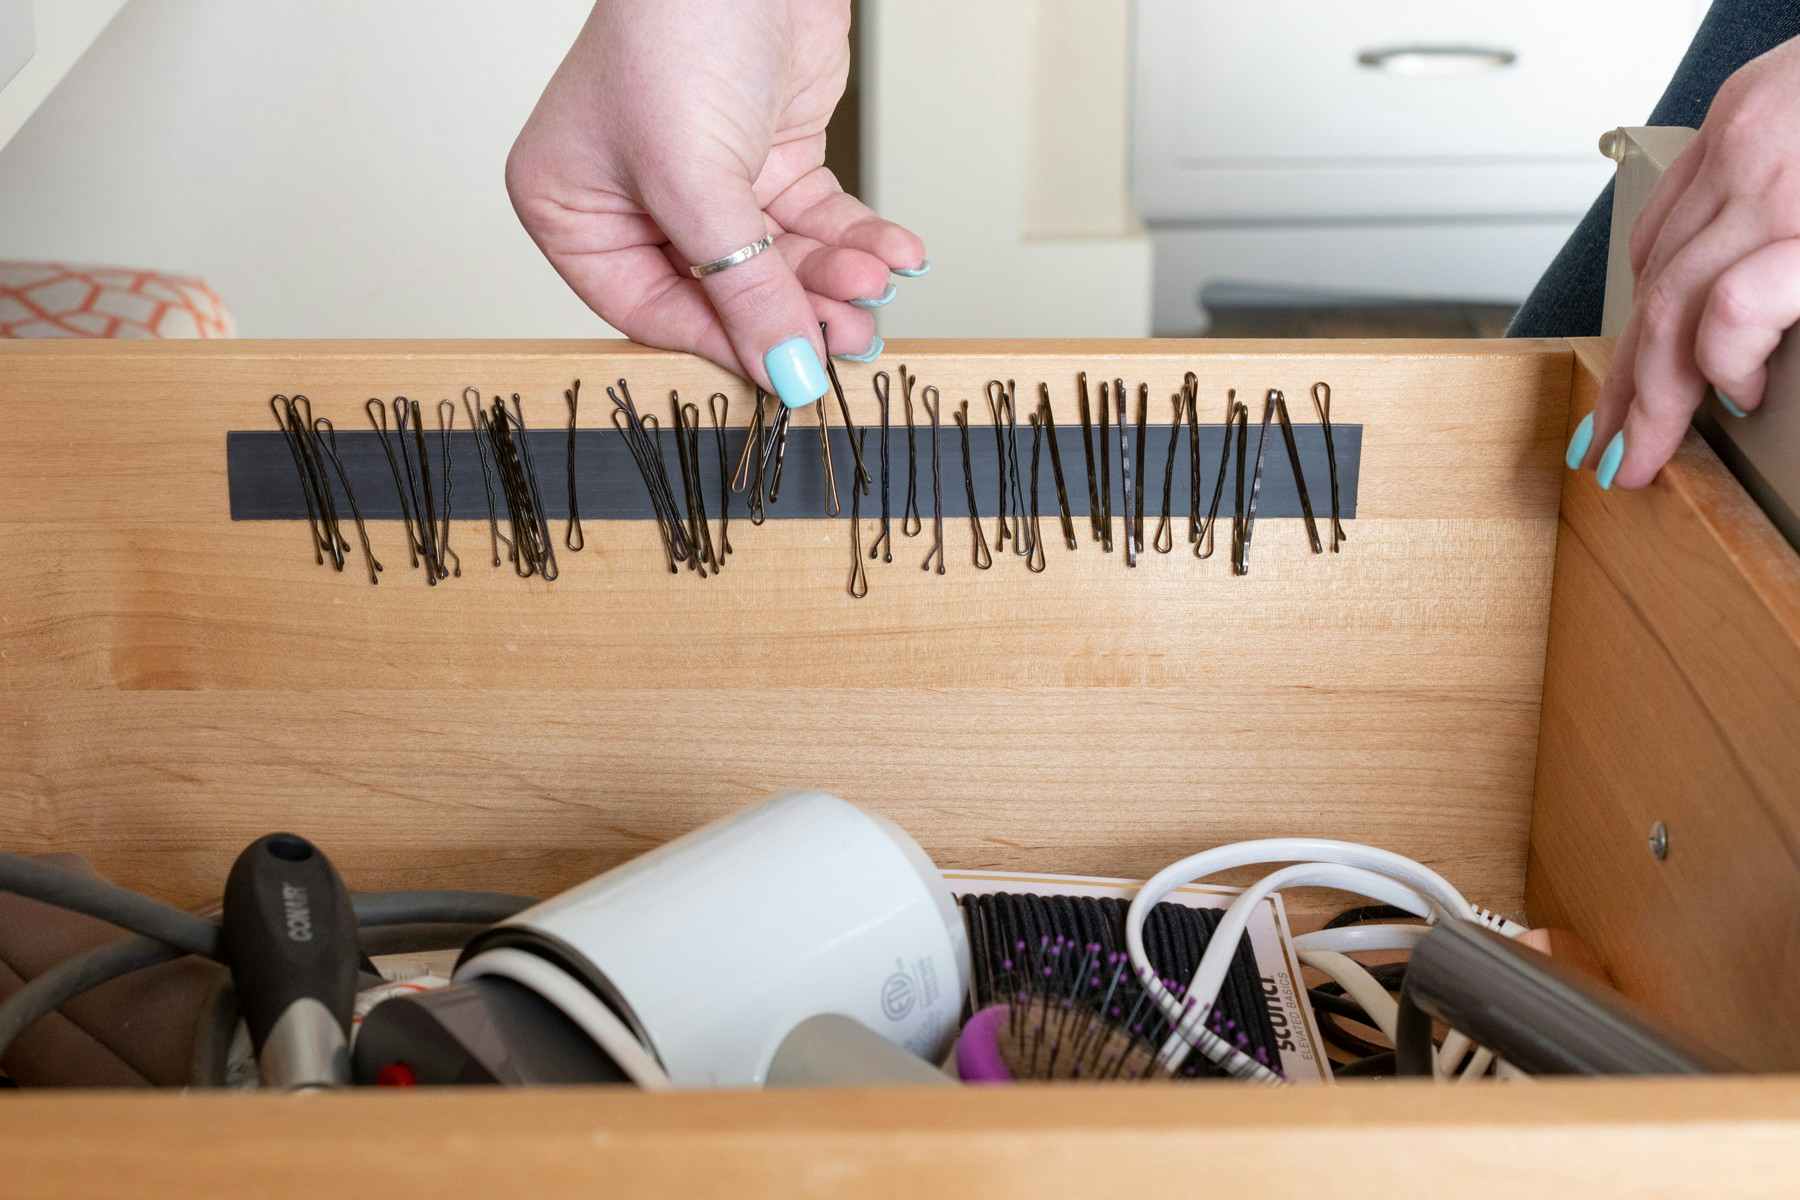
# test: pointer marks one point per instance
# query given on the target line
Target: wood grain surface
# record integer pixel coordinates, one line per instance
(1671, 694)
(1371, 1141)
(173, 684)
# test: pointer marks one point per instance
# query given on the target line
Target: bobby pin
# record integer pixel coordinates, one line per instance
(406, 415)
(833, 506)
(447, 422)
(377, 412)
(883, 541)
(686, 552)
(861, 478)
(910, 524)
(1203, 546)
(996, 401)
(687, 453)
(281, 406)
(622, 423)
(1137, 500)
(573, 537)
(1127, 526)
(1165, 536)
(1087, 449)
(547, 568)
(336, 543)
(481, 433)
(718, 406)
(1321, 397)
(518, 544)
(750, 460)
(778, 450)
(687, 483)
(1018, 476)
(690, 417)
(533, 552)
(1246, 524)
(758, 429)
(740, 478)
(1034, 558)
(983, 558)
(859, 575)
(933, 405)
(1056, 468)
(328, 443)
(521, 545)
(1106, 466)
(1293, 453)
(647, 452)
(1190, 390)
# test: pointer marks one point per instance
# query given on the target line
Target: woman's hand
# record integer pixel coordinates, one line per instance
(678, 131)
(1717, 258)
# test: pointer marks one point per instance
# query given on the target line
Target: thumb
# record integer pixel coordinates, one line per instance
(759, 301)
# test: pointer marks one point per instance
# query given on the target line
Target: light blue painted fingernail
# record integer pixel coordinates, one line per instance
(887, 297)
(1727, 405)
(869, 355)
(795, 370)
(913, 272)
(1609, 461)
(1578, 444)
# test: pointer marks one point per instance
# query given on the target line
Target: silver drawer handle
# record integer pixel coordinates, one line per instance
(1436, 60)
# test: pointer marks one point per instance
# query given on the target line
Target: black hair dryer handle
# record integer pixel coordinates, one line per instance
(290, 932)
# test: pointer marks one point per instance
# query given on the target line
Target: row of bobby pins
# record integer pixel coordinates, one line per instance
(687, 538)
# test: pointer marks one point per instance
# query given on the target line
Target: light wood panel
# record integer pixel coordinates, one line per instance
(1712, 1138)
(1671, 692)
(172, 683)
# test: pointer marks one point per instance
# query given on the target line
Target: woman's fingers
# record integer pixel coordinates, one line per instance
(764, 310)
(836, 271)
(1751, 305)
(1663, 198)
(1599, 441)
(815, 206)
(1666, 380)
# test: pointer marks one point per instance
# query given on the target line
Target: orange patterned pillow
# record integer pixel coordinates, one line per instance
(57, 300)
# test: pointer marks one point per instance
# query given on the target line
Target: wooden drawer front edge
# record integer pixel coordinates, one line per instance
(1671, 692)
(1580, 1138)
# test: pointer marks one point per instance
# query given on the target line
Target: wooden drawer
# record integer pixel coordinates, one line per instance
(1506, 674)
(1291, 108)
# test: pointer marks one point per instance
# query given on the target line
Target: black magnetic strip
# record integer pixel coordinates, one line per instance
(264, 487)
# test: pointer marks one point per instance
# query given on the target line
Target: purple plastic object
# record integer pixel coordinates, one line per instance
(978, 1049)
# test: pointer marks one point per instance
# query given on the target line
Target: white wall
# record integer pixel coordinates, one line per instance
(64, 29)
(333, 168)
(997, 130)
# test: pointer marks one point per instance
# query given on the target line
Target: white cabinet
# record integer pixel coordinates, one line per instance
(1384, 111)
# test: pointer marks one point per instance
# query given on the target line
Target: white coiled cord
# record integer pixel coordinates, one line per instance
(1370, 871)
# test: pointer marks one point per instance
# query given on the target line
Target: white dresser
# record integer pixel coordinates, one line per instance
(1380, 148)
